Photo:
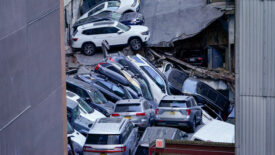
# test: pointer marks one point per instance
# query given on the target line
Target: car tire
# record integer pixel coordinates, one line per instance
(135, 44)
(200, 122)
(193, 126)
(88, 49)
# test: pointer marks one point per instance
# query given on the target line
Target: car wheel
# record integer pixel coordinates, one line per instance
(193, 127)
(135, 44)
(88, 49)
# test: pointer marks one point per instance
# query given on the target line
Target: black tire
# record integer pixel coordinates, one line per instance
(193, 126)
(200, 122)
(88, 49)
(135, 44)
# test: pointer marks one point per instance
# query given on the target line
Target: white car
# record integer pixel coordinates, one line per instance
(85, 110)
(158, 86)
(88, 37)
(121, 6)
(78, 140)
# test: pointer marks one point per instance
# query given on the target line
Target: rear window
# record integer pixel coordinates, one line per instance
(128, 108)
(174, 104)
(103, 139)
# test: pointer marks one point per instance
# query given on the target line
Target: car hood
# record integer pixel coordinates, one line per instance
(126, 3)
(83, 123)
(131, 16)
(78, 139)
(93, 116)
(138, 28)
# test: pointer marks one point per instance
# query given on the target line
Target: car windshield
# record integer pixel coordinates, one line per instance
(75, 113)
(133, 107)
(123, 27)
(145, 90)
(174, 104)
(115, 16)
(85, 106)
(103, 139)
(113, 4)
(155, 77)
(98, 97)
(70, 129)
(96, 9)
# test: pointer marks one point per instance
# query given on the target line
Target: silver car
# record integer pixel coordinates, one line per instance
(180, 111)
(111, 136)
(139, 111)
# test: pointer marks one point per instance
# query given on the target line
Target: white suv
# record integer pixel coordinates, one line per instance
(121, 6)
(90, 36)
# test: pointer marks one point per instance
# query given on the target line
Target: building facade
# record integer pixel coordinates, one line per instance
(255, 77)
(32, 112)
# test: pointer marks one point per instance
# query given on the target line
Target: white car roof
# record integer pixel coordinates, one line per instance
(108, 126)
(97, 25)
(175, 97)
(130, 101)
(72, 96)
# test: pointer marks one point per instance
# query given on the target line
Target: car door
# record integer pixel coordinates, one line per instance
(196, 108)
(112, 36)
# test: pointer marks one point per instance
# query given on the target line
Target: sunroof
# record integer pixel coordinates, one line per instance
(110, 120)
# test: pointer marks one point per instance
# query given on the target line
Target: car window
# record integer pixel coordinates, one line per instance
(113, 4)
(133, 107)
(127, 132)
(193, 102)
(103, 139)
(212, 95)
(96, 31)
(110, 30)
(145, 90)
(98, 97)
(155, 77)
(70, 129)
(174, 104)
(118, 91)
(146, 105)
(96, 9)
(85, 106)
(123, 27)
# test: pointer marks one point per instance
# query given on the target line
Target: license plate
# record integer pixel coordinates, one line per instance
(103, 153)
(172, 113)
(128, 117)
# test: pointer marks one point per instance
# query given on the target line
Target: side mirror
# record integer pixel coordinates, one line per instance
(87, 99)
(119, 32)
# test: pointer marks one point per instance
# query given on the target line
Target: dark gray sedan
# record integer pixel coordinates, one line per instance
(180, 111)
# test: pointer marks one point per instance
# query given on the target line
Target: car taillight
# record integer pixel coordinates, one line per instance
(111, 59)
(87, 148)
(75, 39)
(200, 58)
(188, 111)
(97, 66)
(140, 114)
(119, 149)
(115, 115)
(157, 111)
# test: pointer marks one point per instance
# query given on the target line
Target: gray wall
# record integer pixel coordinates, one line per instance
(255, 77)
(31, 109)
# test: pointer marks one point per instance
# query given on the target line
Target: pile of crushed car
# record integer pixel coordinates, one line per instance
(124, 103)
(125, 96)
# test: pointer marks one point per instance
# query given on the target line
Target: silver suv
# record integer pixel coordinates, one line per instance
(114, 136)
(181, 111)
(139, 111)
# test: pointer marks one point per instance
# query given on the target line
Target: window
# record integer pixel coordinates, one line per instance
(133, 107)
(175, 104)
(96, 9)
(110, 30)
(155, 77)
(123, 27)
(146, 105)
(98, 97)
(193, 102)
(113, 4)
(118, 91)
(127, 132)
(70, 129)
(95, 31)
(103, 139)
(85, 106)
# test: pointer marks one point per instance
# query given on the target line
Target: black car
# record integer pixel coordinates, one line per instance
(130, 18)
(195, 57)
(91, 95)
(215, 103)
(111, 90)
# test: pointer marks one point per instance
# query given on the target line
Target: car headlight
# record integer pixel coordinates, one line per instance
(145, 33)
(134, 4)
